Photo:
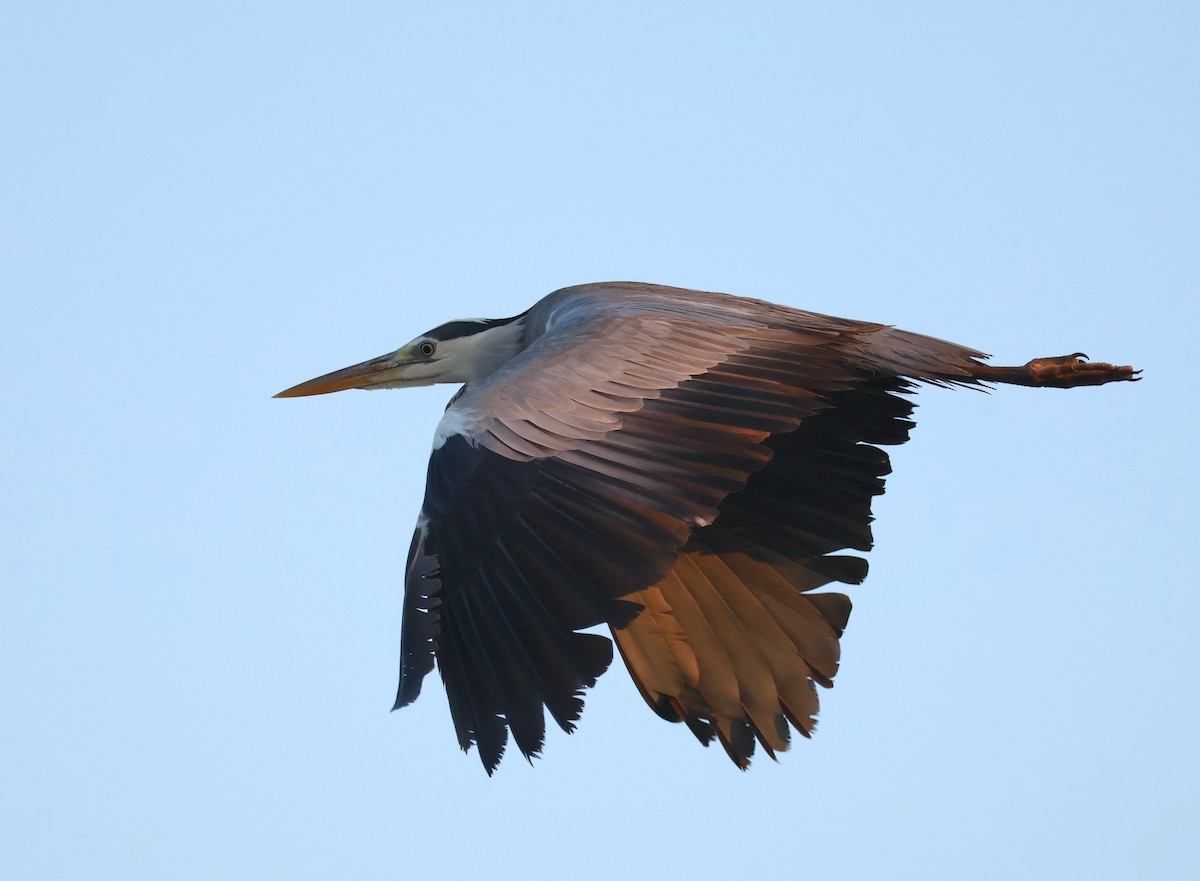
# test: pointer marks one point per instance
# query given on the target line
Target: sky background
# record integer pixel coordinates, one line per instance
(202, 204)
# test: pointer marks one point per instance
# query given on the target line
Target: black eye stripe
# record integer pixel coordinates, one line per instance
(455, 329)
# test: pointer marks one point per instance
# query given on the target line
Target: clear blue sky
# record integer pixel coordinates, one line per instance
(203, 204)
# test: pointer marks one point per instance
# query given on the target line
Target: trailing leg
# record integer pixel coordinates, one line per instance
(1066, 371)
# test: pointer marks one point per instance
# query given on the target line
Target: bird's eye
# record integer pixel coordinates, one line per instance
(427, 348)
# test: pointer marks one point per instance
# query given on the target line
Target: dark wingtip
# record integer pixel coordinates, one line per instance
(490, 762)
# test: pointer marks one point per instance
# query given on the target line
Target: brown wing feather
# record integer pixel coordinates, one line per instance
(732, 642)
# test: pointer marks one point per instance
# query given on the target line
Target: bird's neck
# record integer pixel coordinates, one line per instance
(492, 349)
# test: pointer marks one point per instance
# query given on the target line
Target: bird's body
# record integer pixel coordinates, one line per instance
(682, 466)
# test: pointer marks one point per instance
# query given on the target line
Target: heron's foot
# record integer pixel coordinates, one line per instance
(1072, 370)
(1066, 371)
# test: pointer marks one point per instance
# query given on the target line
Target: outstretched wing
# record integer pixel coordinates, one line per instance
(564, 487)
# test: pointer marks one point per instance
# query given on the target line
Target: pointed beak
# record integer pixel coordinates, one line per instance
(386, 370)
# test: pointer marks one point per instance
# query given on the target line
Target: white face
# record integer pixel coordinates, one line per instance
(468, 357)
(424, 361)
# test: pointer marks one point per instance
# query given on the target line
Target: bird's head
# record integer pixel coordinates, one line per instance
(459, 352)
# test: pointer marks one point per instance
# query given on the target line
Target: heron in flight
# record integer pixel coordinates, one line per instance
(682, 466)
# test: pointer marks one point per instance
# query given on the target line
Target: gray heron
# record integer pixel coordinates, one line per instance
(682, 466)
